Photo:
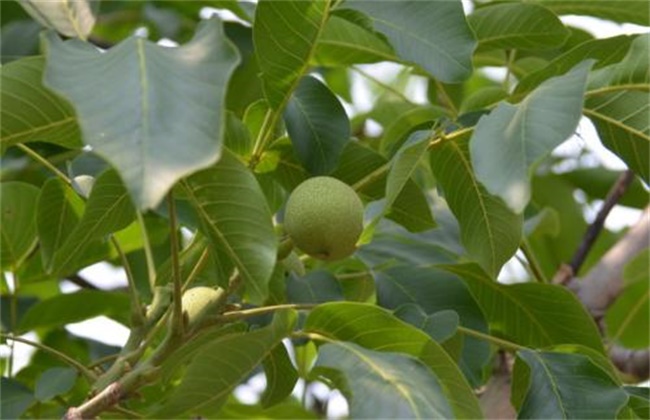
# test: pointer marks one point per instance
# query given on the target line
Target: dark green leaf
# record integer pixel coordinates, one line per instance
(432, 34)
(317, 125)
(377, 329)
(235, 217)
(74, 307)
(285, 34)
(530, 314)
(18, 220)
(281, 376)
(59, 211)
(16, 398)
(490, 231)
(365, 170)
(317, 286)
(291, 409)
(639, 400)
(220, 366)
(384, 385)
(567, 386)
(434, 290)
(440, 325)
(30, 112)
(108, 210)
(72, 19)
(124, 99)
(396, 133)
(616, 102)
(509, 142)
(54, 382)
(517, 26)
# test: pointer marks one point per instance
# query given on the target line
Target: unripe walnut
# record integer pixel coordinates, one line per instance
(198, 302)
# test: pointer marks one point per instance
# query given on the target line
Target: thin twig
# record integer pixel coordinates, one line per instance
(81, 282)
(533, 264)
(85, 372)
(148, 252)
(614, 194)
(177, 311)
(138, 314)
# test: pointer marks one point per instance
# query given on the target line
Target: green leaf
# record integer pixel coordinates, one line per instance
(434, 290)
(74, 307)
(377, 329)
(366, 170)
(317, 286)
(567, 386)
(220, 366)
(235, 217)
(124, 99)
(59, 211)
(281, 376)
(291, 409)
(627, 319)
(440, 325)
(622, 11)
(517, 26)
(54, 382)
(530, 314)
(317, 125)
(72, 19)
(395, 133)
(509, 142)
(606, 51)
(616, 102)
(30, 112)
(108, 210)
(639, 400)
(16, 398)
(18, 215)
(432, 34)
(344, 42)
(285, 34)
(383, 385)
(490, 231)
(596, 183)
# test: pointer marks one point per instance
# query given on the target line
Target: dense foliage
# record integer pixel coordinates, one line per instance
(175, 165)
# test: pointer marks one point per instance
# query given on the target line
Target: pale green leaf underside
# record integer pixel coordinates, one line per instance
(235, 217)
(507, 143)
(432, 34)
(70, 18)
(385, 385)
(490, 231)
(30, 112)
(155, 113)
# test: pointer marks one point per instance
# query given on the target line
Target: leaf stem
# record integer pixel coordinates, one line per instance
(148, 252)
(203, 259)
(85, 372)
(270, 119)
(137, 312)
(247, 313)
(448, 137)
(177, 323)
(446, 98)
(381, 84)
(535, 268)
(44, 162)
(504, 344)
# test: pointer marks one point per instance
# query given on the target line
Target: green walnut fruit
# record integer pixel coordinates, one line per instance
(324, 218)
(199, 301)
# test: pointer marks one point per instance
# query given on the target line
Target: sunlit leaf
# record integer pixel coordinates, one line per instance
(377, 329)
(490, 231)
(512, 139)
(220, 366)
(125, 99)
(235, 217)
(284, 34)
